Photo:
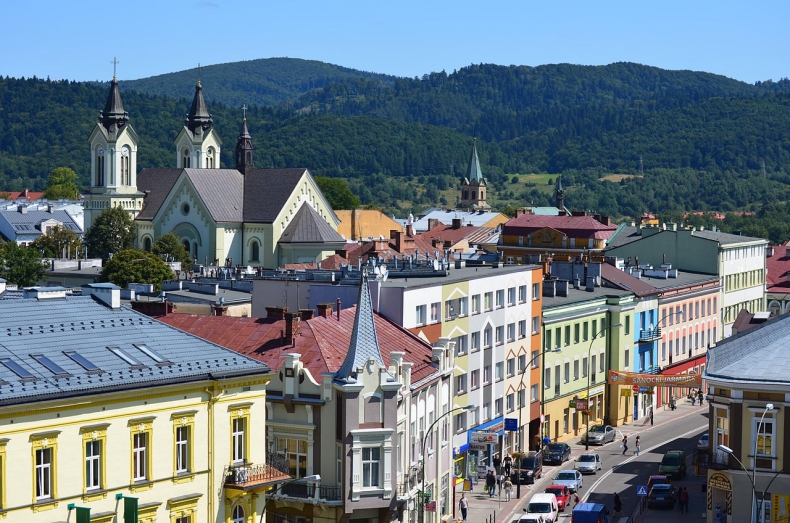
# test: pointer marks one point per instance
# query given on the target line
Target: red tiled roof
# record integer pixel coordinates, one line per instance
(26, 195)
(778, 267)
(571, 226)
(322, 343)
(356, 251)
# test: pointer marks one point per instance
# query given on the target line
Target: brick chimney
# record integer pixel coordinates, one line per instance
(325, 309)
(306, 314)
(276, 313)
(397, 239)
(292, 327)
(432, 222)
(456, 223)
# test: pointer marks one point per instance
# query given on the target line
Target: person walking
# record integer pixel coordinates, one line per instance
(651, 416)
(684, 500)
(508, 462)
(576, 499)
(624, 444)
(700, 396)
(497, 464)
(490, 483)
(463, 504)
(508, 488)
(618, 505)
(637, 446)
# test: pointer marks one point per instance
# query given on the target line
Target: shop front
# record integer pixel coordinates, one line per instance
(480, 454)
(691, 367)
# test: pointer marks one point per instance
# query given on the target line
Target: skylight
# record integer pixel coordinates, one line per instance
(53, 367)
(81, 361)
(125, 356)
(16, 368)
(151, 353)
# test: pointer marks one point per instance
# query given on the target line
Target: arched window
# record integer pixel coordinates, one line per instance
(126, 178)
(187, 245)
(185, 163)
(255, 251)
(147, 244)
(194, 250)
(210, 158)
(99, 166)
(238, 514)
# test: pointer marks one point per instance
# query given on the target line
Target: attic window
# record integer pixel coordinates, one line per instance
(151, 353)
(81, 361)
(125, 356)
(53, 367)
(17, 369)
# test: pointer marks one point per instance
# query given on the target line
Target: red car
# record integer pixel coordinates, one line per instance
(562, 494)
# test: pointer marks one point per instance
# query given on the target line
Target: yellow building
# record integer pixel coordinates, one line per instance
(105, 412)
(361, 224)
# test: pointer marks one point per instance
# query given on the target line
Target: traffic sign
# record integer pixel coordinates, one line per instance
(636, 389)
(641, 490)
(484, 437)
(511, 424)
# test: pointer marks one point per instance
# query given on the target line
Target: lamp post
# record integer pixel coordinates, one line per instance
(520, 410)
(753, 478)
(589, 373)
(422, 471)
(315, 479)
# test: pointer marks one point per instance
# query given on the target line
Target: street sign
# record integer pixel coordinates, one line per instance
(484, 437)
(641, 490)
(581, 404)
(646, 390)
(635, 388)
(511, 424)
(478, 446)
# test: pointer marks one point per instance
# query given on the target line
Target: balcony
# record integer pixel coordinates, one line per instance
(646, 335)
(250, 477)
(308, 491)
(719, 460)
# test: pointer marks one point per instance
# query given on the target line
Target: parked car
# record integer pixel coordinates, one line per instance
(657, 480)
(531, 518)
(589, 462)
(661, 495)
(562, 493)
(570, 478)
(599, 435)
(557, 453)
(673, 464)
(704, 442)
(531, 468)
(590, 513)
(544, 505)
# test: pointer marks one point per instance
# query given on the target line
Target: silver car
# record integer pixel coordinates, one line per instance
(599, 435)
(570, 478)
(589, 463)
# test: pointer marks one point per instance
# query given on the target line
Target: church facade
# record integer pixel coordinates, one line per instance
(248, 216)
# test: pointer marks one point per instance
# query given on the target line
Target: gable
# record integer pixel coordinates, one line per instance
(156, 184)
(222, 192)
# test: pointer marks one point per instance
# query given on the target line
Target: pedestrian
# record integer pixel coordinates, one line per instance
(672, 403)
(546, 440)
(651, 417)
(490, 483)
(693, 397)
(500, 480)
(508, 462)
(624, 444)
(508, 488)
(464, 506)
(684, 500)
(497, 464)
(637, 446)
(576, 499)
(618, 505)
(700, 396)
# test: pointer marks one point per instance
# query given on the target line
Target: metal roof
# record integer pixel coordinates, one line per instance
(364, 344)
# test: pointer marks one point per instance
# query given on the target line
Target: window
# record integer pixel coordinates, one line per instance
(536, 325)
(586, 333)
(475, 341)
(522, 362)
(500, 298)
(500, 335)
(522, 395)
(436, 309)
(488, 299)
(370, 466)
(238, 514)
(547, 378)
(567, 369)
(511, 331)
(238, 440)
(536, 291)
(182, 450)
(476, 304)
(475, 379)
(295, 450)
(460, 384)
(511, 402)
(567, 335)
(99, 166)
(255, 251)
(140, 456)
(486, 412)
(93, 465)
(498, 407)
(576, 369)
(126, 178)
(511, 296)
(487, 374)
(765, 438)
(500, 370)
(535, 359)
(44, 475)
(419, 317)
(487, 335)
(511, 366)
(627, 360)
(533, 393)
(460, 422)
(522, 328)
(461, 345)
(522, 293)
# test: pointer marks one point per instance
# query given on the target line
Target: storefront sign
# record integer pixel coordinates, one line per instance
(658, 380)
(430, 506)
(484, 437)
(511, 424)
(780, 507)
(581, 405)
(719, 481)
(625, 392)
(478, 446)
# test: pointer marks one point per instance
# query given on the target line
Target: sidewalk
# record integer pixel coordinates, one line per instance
(483, 509)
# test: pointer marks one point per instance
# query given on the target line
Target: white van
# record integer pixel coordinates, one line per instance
(545, 505)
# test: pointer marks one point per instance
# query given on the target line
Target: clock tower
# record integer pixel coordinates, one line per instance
(113, 146)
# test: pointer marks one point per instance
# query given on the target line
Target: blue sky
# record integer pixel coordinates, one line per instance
(745, 40)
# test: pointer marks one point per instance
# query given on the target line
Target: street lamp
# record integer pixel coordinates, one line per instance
(424, 440)
(521, 408)
(315, 479)
(589, 373)
(753, 478)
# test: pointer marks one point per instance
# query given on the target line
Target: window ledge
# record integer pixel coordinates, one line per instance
(45, 504)
(94, 495)
(183, 477)
(141, 486)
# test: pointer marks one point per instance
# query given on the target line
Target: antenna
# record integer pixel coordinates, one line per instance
(114, 63)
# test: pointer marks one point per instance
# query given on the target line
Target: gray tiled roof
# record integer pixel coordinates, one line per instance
(25, 223)
(364, 343)
(266, 191)
(757, 355)
(625, 234)
(52, 326)
(222, 191)
(156, 184)
(307, 226)
(726, 238)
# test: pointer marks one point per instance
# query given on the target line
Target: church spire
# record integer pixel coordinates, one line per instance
(113, 117)
(559, 194)
(364, 344)
(198, 114)
(474, 173)
(244, 148)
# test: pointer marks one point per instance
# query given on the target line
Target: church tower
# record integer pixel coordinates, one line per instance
(198, 144)
(559, 194)
(474, 186)
(113, 145)
(244, 148)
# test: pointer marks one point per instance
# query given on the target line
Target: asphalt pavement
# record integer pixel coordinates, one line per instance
(676, 429)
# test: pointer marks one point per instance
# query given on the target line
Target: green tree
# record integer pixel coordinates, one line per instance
(168, 244)
(113, 231)
(133, 266)
(58, 242)
(62, 183)
(337, 193)
(22, 265)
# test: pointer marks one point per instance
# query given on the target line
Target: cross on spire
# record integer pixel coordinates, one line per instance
(198, 72)
(244, 110)
(114, 63)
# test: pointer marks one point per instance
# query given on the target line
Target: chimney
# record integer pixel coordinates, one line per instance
(432, 222)
(292, 327)
(276, 313)
(456, 223)
(338, 309)
(22, 209)
(577, 282)
(769, 251)
(448, 244)
(306, 314)
(324, 310)
(410, 230)
(590, 284)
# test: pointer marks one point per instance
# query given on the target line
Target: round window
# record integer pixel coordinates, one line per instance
(185, 209)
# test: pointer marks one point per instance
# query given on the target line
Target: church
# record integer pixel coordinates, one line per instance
(248, 216)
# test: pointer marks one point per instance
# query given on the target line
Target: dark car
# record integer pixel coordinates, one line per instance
(657, 480)
(531, 468)
(599, 435)
(673, 464)
(661, 495)
(557, 453)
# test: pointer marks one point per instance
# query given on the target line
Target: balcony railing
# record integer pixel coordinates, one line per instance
(248, 476)
(650, 334)
(720, 460)
(308, 491)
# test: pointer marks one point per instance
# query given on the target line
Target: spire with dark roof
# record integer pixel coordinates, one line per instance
(474, 173)
(198, 114)
(244, 148)
(113, 117)
(559, 194)
(364, 342)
